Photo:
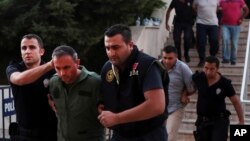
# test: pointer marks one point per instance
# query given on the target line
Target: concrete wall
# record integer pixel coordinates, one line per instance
(151, 39)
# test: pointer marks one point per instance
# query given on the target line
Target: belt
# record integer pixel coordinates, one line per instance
(209, 118)
(139, 132)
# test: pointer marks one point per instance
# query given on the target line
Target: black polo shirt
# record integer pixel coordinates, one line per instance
(31, 102)
(211, 99)
(184, 11)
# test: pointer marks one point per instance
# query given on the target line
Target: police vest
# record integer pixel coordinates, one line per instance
(129, 94)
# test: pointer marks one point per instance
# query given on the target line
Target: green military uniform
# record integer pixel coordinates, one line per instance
(76, 106)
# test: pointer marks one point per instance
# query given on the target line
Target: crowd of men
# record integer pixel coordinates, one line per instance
(137, 96)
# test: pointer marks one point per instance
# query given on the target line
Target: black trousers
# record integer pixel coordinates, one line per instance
(34, 135)
(212, 130)
(187, 30)
(158, 134)
(202, 31)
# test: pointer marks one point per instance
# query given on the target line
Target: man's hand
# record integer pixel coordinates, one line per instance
(240, 21)
(52, 104)
(51, 64)
(100, 108)
(168, 27)
(185, 99)
(108, 119)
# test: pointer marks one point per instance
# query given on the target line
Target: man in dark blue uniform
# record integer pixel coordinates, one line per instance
(183, 22)
(29, 81)
(134, 98)
(213, 118)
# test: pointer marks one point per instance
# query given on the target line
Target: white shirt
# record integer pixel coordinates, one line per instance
(206, 11)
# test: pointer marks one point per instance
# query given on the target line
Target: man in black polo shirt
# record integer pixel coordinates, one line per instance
(213, 118)
(183, 22)
(29, 81)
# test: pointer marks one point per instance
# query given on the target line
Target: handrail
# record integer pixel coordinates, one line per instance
(245, 79)
(4, 86)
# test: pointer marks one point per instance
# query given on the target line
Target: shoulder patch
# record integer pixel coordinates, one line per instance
(110, 76)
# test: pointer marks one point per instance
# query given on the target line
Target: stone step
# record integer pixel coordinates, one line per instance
(188, 124)
(241, 45)
(234, 77)
(247, 121)
(193, 52)
(237, 86)
(185, 135)
(224, 68)
(194, 97)
(195, 59)
(244, 33)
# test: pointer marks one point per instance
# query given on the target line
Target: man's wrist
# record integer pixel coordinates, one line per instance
(118, 119)
(50, 65)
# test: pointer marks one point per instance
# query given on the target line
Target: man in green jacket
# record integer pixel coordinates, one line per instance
(75, 92)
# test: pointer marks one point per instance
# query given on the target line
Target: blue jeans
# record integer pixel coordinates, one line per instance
(202, 32)
(230, 38)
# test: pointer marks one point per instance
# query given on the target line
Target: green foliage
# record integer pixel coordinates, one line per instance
(78, 23)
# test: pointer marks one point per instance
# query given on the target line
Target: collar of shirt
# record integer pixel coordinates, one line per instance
(174, 66)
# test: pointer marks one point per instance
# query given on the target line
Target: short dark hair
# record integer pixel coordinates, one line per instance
(64, 50)
(213, 59)
(169, 49)
(122, 29)
(31, 35)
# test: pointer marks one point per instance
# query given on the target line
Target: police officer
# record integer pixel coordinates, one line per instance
(29, 82)
(213, 118)
(134, 99)
(183, 22)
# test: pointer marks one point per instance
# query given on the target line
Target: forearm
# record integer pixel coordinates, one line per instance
(148, 109)
(245, 12)
(194, 6)
(167, 17)
(191, 92)
(31, 75)
(141, 112)
(239, 112)
(236, 103)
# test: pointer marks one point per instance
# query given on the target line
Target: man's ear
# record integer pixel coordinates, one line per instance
(42, 51)
(131, 45)
(78, 62)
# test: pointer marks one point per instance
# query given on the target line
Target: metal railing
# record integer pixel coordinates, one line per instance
(245, 80)
(7, 111)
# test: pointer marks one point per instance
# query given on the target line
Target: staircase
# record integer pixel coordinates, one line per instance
(233, 72)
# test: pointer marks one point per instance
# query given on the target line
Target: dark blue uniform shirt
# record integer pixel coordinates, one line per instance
(31, 103)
